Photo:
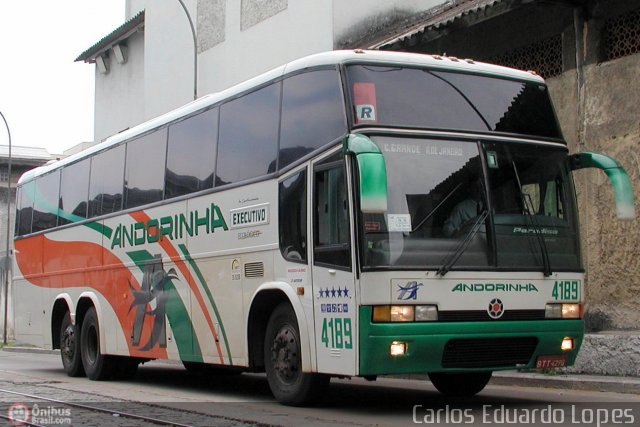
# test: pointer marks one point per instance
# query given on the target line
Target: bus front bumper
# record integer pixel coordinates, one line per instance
(465, 346)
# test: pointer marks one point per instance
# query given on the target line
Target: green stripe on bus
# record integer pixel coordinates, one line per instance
(203, 282)
(176, 312)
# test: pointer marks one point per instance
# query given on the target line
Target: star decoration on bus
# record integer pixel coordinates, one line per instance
(333, 292)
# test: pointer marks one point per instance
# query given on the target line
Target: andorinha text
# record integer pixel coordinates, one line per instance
(492, 287)
(172, 227)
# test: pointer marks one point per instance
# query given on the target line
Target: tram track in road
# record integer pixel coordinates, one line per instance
(82, 413)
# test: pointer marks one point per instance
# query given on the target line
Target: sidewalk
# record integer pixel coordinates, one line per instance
(611, 384)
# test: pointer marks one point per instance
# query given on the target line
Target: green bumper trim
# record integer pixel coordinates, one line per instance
(426, 342)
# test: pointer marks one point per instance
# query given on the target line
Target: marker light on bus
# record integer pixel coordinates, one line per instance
(398, 348)
(567, 344)
(563, 311)
(405, 313)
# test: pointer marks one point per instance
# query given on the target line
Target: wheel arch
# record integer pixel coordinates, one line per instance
(62, 305)
(264, 301)
(85, 302)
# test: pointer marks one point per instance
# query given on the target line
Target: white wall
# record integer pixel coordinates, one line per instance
(303, 28)
(119, 94)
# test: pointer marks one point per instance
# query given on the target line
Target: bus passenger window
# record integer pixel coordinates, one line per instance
(312, 114)
(145, 165)
(191, 154)
(292, 194)
(248, 140)
(45, 206)
(331, 216)
(105, 184)
(74, 185)
(24, 211)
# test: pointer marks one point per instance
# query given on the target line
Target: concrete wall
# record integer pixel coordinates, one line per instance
(609, 125)
(119, 94)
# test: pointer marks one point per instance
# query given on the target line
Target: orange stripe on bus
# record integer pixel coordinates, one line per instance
(53, 264)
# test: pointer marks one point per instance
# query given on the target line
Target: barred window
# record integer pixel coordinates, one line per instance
(622, 35)
(544, 57)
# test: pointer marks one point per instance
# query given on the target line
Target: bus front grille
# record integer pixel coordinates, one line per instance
(488, 352)
(483, 316)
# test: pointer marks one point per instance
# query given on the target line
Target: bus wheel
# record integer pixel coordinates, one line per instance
(70, 348)
(283, 361)
(97, 366)
(464, 384)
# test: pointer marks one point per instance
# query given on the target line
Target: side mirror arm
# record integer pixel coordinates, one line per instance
(617, 175)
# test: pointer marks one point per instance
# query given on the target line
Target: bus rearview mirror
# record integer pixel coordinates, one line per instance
(372, 173)
(617, 175)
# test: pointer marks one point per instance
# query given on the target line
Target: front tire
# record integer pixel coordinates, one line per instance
(464, 384)
(70, 347)
(283, 361)
(97, 366)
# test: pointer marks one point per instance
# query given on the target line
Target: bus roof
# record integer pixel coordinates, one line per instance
(317, 60)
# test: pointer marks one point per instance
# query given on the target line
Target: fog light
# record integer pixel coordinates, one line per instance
(398, 348)
(567, 344)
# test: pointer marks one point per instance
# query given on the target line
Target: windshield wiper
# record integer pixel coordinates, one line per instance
(546, 263)
(463, 245)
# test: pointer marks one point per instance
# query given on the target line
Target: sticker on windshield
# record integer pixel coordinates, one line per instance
(364, 98)
(399, 222)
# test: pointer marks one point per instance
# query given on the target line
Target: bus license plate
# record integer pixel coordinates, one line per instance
(551, 361)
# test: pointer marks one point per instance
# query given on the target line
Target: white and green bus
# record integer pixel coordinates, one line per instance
(351, 213)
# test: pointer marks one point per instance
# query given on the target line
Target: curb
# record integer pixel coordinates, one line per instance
(36, 350)
(630, 385)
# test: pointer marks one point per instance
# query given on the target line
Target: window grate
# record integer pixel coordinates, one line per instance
(544, 57)
(622, 35)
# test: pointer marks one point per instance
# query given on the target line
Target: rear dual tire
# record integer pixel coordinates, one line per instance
(97, 366)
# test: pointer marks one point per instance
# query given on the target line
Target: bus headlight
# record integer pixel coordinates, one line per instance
(426, 313)
(563, 311)
(405, 313)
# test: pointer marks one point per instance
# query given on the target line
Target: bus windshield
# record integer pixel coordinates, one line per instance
(518, 197)
(431, 99)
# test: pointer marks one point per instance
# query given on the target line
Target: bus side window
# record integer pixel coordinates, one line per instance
(191, 154)
(105, 183)
(74, 185)
(45, 206)
(145, 165)
(24, 211)
(292, 217)
(248, 139)
(312, 114)
(331, 217)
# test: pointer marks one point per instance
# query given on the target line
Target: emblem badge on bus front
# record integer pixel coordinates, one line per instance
(409, 291)
(495, 309)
